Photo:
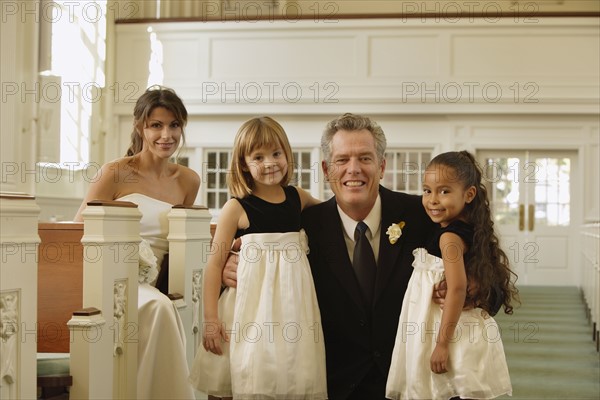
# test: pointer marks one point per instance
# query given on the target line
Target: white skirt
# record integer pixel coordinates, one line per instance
(276, 348)
(477, 369)
(162, 364)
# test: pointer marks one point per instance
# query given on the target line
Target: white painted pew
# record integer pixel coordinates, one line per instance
(189, 247)
(103, 350)
(103, 359)
(103, 343)
(18, 295)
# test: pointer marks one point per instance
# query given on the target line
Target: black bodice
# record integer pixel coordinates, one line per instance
(268, 217)
(461, 228)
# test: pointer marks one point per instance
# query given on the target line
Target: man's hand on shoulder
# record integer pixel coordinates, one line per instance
(229, 275)
(440, 290)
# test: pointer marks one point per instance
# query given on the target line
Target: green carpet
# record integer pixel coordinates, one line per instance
(549, 346)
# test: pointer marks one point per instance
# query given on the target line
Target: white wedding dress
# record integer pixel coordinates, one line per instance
(162, 365)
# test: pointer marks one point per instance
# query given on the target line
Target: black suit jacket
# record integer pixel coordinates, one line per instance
(358, 339)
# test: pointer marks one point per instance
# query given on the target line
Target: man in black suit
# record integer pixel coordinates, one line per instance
(359, 329)
(359, 326)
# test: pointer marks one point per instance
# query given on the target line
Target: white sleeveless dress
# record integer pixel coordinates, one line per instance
(276, 348)
(478, 368)
(162, 364)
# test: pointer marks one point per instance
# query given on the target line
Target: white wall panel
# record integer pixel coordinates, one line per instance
(553, 257)
(405, 56)
(286, 56)
(569, 55)
(385, 66)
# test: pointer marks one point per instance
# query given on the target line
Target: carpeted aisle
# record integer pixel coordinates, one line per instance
(549, 346)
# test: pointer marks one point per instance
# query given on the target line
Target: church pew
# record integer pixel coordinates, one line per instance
(18, 295)
(189, 238)
(106, 286)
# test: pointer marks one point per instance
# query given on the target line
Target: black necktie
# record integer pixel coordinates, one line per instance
(364, 262)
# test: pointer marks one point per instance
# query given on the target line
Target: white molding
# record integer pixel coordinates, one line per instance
(377, 66)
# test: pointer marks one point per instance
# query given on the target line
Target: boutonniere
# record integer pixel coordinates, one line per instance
(394, 231)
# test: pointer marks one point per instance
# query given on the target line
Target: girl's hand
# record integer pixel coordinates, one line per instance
(214, 333)
(439, 359)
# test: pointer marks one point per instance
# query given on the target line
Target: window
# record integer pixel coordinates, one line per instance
(216, 168)
(80, 29)
(214, 172)
(304, 170)
(404, 169)
(404, 172)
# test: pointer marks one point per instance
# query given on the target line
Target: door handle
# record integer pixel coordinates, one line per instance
(531, 217)
(521, 217)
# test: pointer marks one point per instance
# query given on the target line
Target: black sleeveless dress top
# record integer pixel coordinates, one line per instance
(461, 228)
(466, 231)
(265, 217)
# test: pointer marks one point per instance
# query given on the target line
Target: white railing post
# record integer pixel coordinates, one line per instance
(189, 246)
(18, 295)
(590, 237)
(104, 347)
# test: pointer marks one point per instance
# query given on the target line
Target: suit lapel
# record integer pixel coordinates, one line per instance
(336, 254)
(388, 253)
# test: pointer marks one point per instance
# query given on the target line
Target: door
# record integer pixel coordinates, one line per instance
(531, 198)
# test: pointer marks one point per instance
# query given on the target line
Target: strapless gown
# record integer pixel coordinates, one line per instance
(162, 364)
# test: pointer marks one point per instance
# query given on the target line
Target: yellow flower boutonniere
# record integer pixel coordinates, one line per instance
(395, 231)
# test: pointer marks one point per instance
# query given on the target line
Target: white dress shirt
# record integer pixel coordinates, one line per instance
(373, 221)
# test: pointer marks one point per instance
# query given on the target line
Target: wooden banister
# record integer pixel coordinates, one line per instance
(194, 207)
(16, 196)
(112, 203)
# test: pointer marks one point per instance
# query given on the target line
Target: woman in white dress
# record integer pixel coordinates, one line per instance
(146, 177)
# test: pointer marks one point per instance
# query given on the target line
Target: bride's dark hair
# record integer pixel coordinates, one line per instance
(154, 96)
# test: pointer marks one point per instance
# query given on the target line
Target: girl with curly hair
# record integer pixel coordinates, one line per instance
(454, 352)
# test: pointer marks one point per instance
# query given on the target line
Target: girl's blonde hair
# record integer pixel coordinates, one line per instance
(253, 134)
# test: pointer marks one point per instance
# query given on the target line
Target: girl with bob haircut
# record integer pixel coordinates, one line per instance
(259, 132)
(262, 339)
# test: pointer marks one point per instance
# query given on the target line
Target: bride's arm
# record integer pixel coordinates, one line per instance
(104, 186)
(191, 185)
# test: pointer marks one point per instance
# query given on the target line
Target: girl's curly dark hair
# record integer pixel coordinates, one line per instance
(488, 265)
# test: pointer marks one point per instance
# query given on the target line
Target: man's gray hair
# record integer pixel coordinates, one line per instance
(353, 122)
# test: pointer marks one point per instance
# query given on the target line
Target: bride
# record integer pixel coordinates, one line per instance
(146, 177)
